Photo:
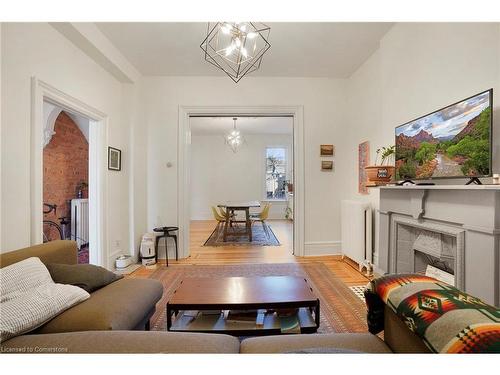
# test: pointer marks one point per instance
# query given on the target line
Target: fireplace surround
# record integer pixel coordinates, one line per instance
(460, 225)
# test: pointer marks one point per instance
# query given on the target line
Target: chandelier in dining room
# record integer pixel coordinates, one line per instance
(236, 48)
(234, 139)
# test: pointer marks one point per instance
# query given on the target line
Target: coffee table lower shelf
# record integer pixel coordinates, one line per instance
(217, 324)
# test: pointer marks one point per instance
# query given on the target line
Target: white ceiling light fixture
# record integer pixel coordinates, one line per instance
(234, 139)
(236, 48)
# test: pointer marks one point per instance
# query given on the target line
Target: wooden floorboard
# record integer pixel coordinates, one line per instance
(203, 255)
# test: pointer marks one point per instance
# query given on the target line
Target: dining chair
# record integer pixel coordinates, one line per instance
(262, 217)
(231, 215)
(217, 216)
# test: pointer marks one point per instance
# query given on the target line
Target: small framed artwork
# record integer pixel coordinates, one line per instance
(327, 165)
(326, 150)
(114, 159)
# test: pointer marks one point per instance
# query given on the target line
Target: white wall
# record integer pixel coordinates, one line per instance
(36, 49)
(324, 105)
(219, 175)
(418, 68)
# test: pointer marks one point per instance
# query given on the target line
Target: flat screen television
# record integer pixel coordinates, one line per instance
(452, 142)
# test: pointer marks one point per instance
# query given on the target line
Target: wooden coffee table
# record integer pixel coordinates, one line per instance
(272, 293)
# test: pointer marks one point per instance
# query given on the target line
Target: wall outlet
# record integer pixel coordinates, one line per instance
(118, 244)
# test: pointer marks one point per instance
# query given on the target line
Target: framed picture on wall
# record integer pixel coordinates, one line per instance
(327, 165)
(114, 159)
(326, 150)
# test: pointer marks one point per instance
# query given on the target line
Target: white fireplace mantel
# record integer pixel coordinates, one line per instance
(442, 187)
(471, 210)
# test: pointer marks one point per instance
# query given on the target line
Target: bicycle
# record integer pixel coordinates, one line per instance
(51, 227)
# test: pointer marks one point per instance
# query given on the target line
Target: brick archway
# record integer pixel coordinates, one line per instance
(65, 166)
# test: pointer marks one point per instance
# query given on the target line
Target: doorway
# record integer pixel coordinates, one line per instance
(186, 114)
(45, 95)
(65, 178)
(242, 159)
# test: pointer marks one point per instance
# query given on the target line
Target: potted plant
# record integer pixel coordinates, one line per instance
(383, 172)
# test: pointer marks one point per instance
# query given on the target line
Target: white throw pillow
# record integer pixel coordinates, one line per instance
(29, 297)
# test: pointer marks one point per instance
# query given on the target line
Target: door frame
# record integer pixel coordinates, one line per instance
(98, 139)
(184, 167)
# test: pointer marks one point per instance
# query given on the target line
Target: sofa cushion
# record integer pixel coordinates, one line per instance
(86, 276)
(362, 342)
(22, 277)
(29, 297)
(121, 305)
(61, 251)
(123, 342)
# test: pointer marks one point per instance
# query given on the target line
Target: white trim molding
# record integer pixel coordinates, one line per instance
(318, 248)
(50, 114)
(184, 145)
(43, 92)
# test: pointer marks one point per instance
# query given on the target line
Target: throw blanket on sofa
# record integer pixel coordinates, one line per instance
(445, 318)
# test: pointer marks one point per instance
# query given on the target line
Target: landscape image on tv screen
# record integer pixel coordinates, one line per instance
(452, 142)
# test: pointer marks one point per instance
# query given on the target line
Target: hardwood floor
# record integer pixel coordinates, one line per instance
(346, 270)
(201, 230)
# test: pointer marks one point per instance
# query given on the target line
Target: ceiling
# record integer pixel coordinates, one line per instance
(305, 49)
(247, 125)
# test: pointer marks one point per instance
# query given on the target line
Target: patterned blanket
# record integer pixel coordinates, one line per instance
(445, 318)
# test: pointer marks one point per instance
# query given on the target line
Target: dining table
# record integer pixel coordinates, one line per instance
(245, 206)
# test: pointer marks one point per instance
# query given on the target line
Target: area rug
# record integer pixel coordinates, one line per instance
(236, 236)
(341, 310)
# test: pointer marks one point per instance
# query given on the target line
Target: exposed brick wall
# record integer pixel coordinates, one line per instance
(65, 165)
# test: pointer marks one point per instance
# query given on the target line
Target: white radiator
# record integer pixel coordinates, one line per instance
(357, 231)
(80, 221)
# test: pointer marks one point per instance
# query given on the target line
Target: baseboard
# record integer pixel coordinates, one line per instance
(322, 248)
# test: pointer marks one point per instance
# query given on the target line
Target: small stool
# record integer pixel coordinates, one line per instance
(166, 234)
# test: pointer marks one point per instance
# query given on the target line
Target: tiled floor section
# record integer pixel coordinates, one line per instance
(359, 290)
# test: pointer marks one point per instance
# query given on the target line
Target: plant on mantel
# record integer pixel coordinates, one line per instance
(380, 174)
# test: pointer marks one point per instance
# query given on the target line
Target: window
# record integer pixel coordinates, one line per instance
(276, 172)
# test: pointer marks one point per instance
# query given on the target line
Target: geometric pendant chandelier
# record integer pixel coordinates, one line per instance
(236, 48)
(234, 139)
